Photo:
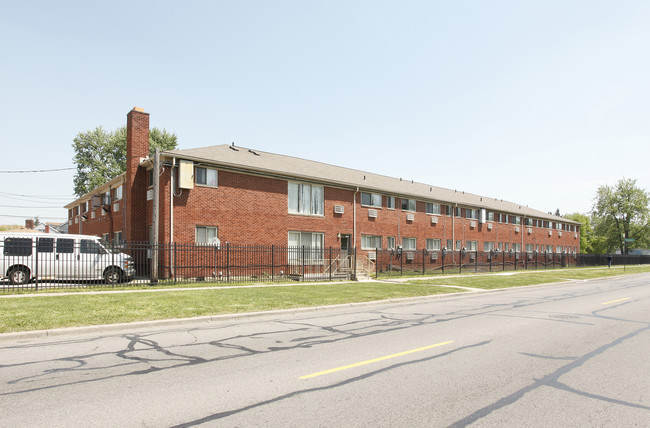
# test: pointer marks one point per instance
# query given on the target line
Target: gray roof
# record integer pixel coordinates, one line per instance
(250, 160)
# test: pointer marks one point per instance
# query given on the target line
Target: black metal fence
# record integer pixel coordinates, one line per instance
(61, 261)
(66, 262)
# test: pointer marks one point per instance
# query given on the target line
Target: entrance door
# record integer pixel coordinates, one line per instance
(346, 241)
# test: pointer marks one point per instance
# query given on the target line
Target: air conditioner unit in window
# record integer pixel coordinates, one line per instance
(516, 229)
(372, 213)
(116, 207)
(472, 224)
(550, 233)
(489, 226)
(410, 217)
(410, 256)
(559, 234)
(530, 230)
(339, 209)
(434, 220)
(372, 256)
(575, 235)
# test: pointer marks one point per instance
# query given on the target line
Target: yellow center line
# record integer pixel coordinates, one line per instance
(374, 360)
(615, 301)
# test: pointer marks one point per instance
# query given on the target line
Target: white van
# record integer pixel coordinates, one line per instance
(27, 256)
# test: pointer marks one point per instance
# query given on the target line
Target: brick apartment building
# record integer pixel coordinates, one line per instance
(234, 194)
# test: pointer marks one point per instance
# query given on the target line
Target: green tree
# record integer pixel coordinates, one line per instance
(586, 231)
(101, 155)
(621, 213)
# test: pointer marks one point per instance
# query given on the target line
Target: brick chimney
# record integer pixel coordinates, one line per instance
(137, 148)
(29, 224)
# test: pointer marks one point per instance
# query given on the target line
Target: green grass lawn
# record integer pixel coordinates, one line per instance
(46, 312)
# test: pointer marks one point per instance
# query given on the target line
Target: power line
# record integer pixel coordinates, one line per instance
(66, 197)
(36, 170)
(31, 216)
(27, 206)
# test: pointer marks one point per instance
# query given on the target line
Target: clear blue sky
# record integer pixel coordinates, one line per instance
(538, 102)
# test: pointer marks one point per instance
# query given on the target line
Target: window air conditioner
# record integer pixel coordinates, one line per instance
(559, 234)
(472, 224)
(530, 230)
(372, 213)
(116, 207)
(550, 233)
(410, 256)
(372, 255)
(434, 220)
(575, 236)
(339, 209)
(489, 226)
(516, 229)
(410, 217)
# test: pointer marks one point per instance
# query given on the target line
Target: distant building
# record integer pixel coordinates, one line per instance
(234, 194)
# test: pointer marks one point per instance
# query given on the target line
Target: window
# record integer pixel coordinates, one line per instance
(45, 245)
(207, 235)
(488, 246)
(65, 246)
(408, 204)
(516, 248)
(490, 216)
(150, 172)
(306, 198)
(89, 246)
(558, 249)
(472, 245)
(449, 210)
(459, 244)
(117, 237)
(433, 208)
(433, 244)
(390, 242)
(506, 246)
(313, 248)
(529, 248)
(558, 226)
(206, 176)
(549, 248)
(18, 247)
(370, 242)
(390, 202)
(500, 246)
(471, 213)
(117, 193)
(529, 222)
(450, 245)
(458, 212)
(371, 199)
(409, 243)
(515, 220)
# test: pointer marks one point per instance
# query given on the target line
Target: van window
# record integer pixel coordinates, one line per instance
(65, 245)
(18, 247)
(88, 246)
(45, 245)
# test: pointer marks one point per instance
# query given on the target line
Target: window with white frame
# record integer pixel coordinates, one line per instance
(390, 202)
(558, 226)
(207, 235)
(516, 247)
(500, 246)
(449, 210)
(118, 237)
(206, 176)
(471, 245)
(433, 208)
(559, 249)
(409, 244)
(459, 244)
(370, 242)
(549, 248)
(450, 245)
(306, 247)
(490, 216)
(117, 193)
(529, 221)
(488, 246)
(529, 248)
(433, 244)
(457, 212)
(408, 205)
(390, 242)
(306, 198)
(506, 246)
(471, 213)
(371, 199)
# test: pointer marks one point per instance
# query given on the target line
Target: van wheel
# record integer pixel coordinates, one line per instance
(113, 275)
(18, 275)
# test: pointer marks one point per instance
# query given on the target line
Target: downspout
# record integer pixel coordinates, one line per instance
(453, 234)
(354, 224)
(171, 203)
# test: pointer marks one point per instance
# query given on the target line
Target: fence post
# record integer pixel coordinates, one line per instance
(423, 256)
(227, 261)
(476, 261)
(303, 262)
(330, 268)
(376, 263)
(272, 262)
(173, 262)
(443, 260)
(401, 263)
(460, 265)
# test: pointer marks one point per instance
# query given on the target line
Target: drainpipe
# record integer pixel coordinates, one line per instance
(453, 233)
(354, 224)
(171, 203)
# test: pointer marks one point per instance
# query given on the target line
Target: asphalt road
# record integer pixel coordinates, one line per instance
(576, 354)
